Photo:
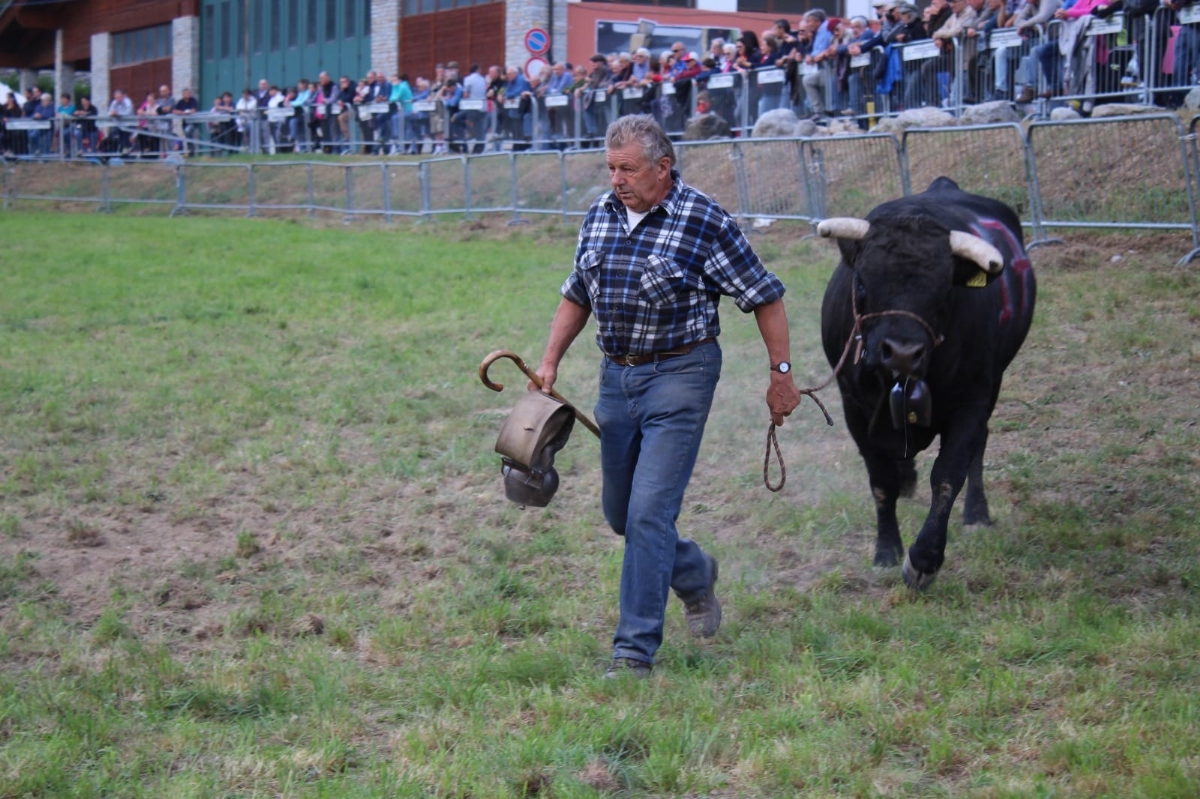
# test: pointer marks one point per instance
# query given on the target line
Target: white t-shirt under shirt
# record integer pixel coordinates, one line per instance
(635, 218)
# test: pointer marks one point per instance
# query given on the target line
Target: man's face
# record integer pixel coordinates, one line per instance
(639, 184)
(494, 72)
(510, 74)
(677, 50)
(262, 85)
(857, 27)
(187, 94)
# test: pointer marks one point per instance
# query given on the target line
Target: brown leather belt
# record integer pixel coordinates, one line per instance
(638, 360)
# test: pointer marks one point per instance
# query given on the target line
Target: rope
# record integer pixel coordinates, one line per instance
(855, 337)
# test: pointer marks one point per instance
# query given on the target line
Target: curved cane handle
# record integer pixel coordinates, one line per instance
(512, 356)
(533, 377)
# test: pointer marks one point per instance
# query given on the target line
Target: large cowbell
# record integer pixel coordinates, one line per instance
(537, 428)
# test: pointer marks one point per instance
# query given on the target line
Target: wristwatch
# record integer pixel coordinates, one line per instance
(783, 367)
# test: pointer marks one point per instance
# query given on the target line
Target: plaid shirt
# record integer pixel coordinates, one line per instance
(657, 288)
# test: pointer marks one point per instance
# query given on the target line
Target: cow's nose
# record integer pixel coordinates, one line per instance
(900, 357)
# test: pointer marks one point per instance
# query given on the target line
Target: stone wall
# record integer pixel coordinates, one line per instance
(101, 59)
(385, 36)
(520, 16)
(185, 54)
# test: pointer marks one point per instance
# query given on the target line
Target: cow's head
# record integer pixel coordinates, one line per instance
(904, 271)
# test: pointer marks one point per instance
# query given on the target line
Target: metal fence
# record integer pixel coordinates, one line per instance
(1122, 173)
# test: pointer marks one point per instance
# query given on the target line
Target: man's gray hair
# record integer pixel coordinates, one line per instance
(643, 130)
(816, 14)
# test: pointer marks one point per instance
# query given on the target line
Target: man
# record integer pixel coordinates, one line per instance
(823, 49)
(469, 124)
(653, 257)
(187, 106)
(121, 106)
(262, 98)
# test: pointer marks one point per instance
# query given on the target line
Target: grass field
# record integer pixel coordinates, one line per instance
(253, 540)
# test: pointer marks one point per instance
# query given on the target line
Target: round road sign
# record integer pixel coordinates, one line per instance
(537, 41)
(534, 66)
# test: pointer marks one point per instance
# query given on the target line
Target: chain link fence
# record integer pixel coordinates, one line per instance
(1122, 173)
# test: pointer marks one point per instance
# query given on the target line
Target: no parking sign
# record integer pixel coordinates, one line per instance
(537, 41)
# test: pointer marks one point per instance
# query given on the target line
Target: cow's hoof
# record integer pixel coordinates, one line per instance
(886, 558)
(916, 580)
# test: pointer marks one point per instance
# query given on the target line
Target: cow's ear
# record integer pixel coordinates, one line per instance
(850, 249)
(967, 273)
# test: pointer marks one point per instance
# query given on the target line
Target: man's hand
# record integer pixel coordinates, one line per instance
(782, 396)
(548, 374)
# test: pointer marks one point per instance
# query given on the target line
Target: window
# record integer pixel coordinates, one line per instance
(293, 23)
(239, 9)
(414, 7)
(224, 21)
(274, 23)
(310, 23)
(257, 29)
(148, 44)
(350, 19)
(209, 33)
(330, 20)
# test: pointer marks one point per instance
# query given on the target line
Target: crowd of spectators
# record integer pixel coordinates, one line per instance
(822, 67)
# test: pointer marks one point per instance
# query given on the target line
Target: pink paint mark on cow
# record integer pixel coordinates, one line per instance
(991, 230)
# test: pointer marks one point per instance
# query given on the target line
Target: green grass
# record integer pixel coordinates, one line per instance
(253, 540)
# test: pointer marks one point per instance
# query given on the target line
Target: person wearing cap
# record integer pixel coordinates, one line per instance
(653, 259)
(594, 112)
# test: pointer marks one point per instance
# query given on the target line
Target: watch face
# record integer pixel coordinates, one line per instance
(784, 367)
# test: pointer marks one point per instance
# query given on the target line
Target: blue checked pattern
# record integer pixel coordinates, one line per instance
(657, 288)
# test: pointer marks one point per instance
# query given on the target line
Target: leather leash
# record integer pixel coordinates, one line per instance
(855, 338)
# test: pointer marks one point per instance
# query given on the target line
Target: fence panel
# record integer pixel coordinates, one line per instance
(216, 186)
(850, 175)
(587, 179)
(1121, 172)
(150, 183)
(329, 187)
(447, 185)
(539, 186)
(61, 181)
(982, 159)
(366, 190)
(774, 181)
(490, 182)
(282, 185)
(712, 168)
(404, 189)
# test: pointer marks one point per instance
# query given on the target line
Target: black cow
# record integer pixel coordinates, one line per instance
(930, 303)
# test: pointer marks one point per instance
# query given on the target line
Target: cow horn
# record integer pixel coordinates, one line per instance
(843, 227)
(973, 248)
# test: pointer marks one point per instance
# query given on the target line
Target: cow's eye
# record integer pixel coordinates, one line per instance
(860, 288)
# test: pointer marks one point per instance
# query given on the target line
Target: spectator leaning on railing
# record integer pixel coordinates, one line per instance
(121, 106)
(86, 135)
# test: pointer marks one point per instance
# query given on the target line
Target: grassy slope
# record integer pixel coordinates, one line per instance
(219, 437)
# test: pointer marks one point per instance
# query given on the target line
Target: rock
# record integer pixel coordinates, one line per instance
(805, 127)
(839, 127)
(1064, 112)
(1192, 101)
(916, 118)
(777, 123)
(707, 126)
(989, 113)
(1124, 109)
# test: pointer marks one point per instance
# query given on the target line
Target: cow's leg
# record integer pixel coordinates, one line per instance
(928, 552)
(975, 510)
(885, 488)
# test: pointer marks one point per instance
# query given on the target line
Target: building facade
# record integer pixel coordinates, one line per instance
(213, 46)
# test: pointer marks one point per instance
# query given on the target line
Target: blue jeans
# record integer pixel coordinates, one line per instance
(651, 420)
(1187, 54)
